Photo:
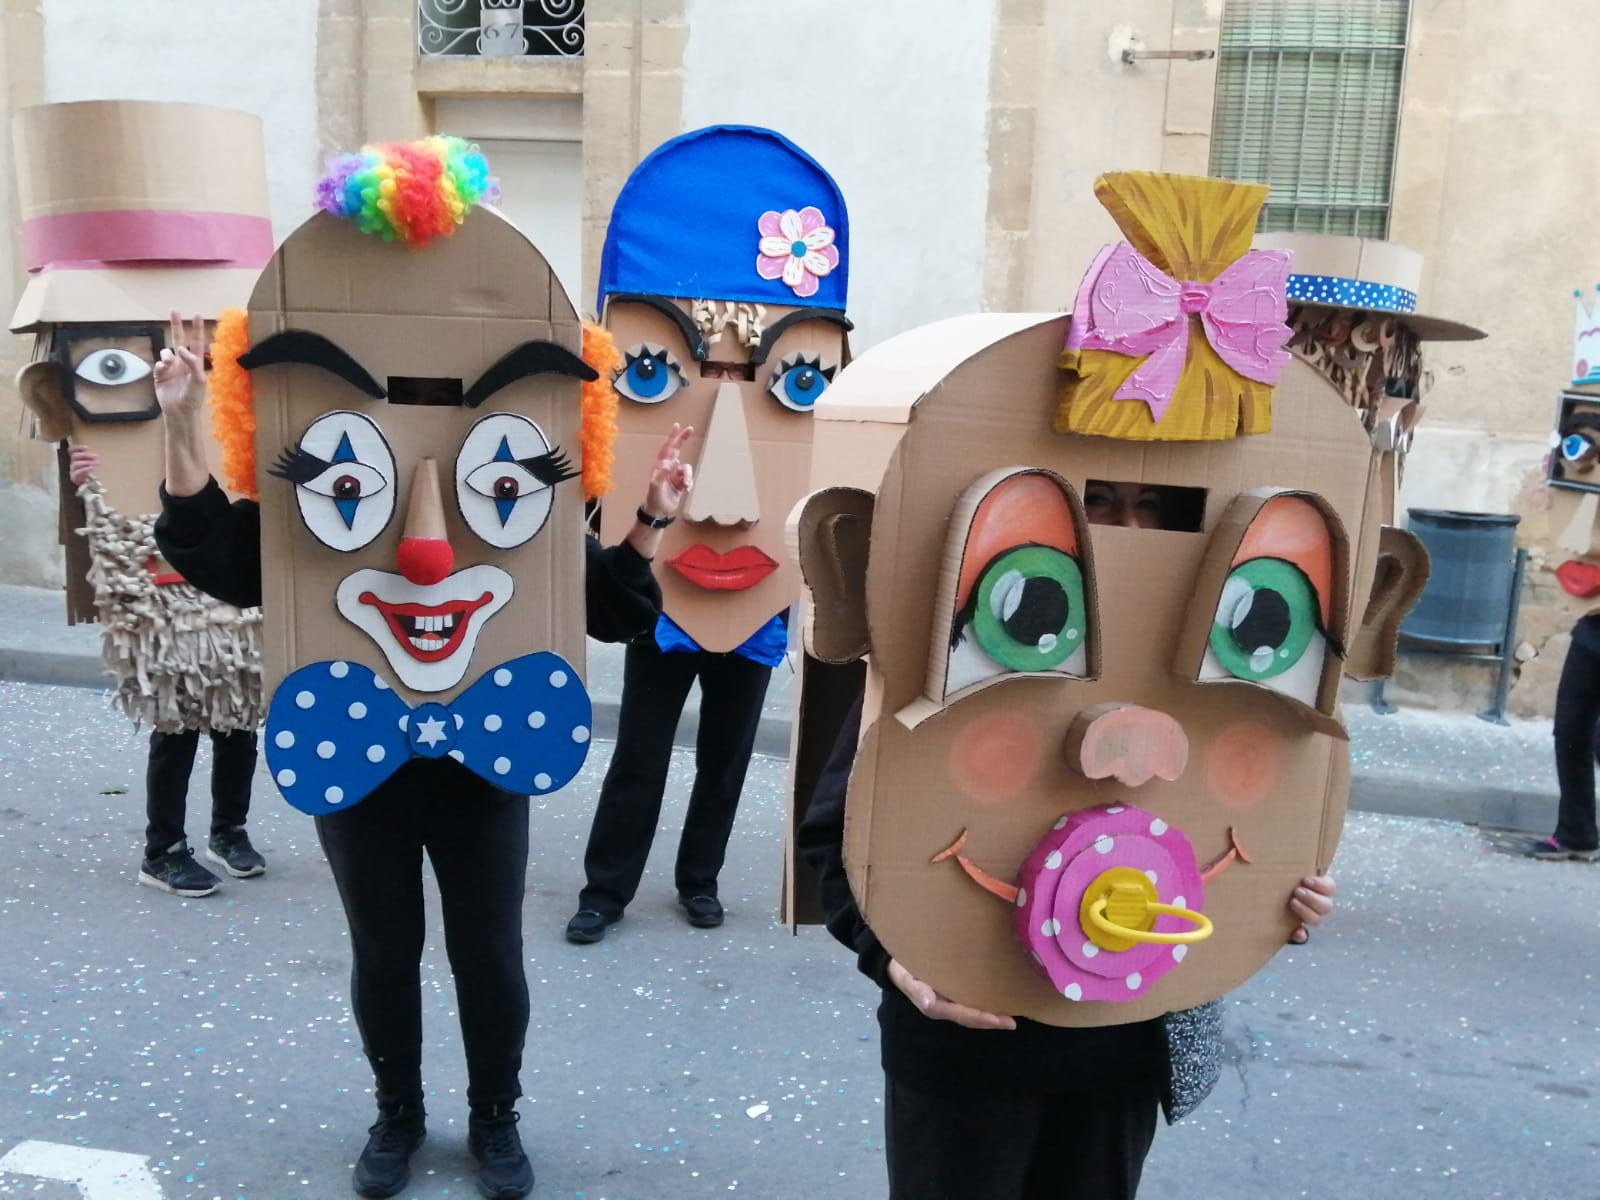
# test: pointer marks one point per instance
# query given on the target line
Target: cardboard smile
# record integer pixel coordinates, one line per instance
(428, 632)
(734, 571)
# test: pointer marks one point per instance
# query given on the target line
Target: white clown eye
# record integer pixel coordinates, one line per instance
(506, 474)
(112, 367)
(343, 472)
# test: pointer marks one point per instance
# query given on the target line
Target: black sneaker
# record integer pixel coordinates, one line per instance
(177, 872)
(705, 912)
(384, 1167)
(588, 926)
(1550, 850)
(504, 1172)
(233, 850)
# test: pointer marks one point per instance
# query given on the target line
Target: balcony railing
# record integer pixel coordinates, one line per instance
(499, 28)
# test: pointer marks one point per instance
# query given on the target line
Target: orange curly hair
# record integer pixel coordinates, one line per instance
(233, 414)
(233, 409)
(599, 436)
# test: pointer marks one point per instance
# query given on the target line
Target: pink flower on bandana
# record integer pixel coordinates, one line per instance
(796, 247)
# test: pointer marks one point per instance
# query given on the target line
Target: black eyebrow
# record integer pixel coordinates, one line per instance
(311, 350)
(692, 337)
(530, 358)
(769, 336)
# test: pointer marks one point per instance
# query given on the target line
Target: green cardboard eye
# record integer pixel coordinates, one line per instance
(1030, 613)
(1265, 620)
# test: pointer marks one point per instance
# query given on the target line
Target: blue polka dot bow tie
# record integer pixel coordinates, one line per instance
(336, 730)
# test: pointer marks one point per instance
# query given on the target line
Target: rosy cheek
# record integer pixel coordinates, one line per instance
(1243, 765)
(995, 757)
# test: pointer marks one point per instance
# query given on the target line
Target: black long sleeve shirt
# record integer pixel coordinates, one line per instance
(935, 1055)
(217, 547)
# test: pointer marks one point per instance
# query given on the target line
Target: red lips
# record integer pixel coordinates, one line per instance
(428, 632)
(1580, 579)
(734, 571)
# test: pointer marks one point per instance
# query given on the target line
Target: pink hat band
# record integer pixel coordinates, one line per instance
(145, 237)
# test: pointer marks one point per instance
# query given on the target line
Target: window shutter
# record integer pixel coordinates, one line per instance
(1308, 102)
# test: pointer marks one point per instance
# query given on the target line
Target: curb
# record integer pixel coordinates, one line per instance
(54, 668)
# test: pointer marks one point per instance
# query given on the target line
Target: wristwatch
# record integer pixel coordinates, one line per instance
(650, 522)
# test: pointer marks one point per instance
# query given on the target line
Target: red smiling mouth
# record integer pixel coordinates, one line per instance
(740, 568)
(428, 632)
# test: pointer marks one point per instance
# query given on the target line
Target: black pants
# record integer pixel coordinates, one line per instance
(654, 688)
(166, 781)
(476, 837)
(960, 1145)
(1577, 716)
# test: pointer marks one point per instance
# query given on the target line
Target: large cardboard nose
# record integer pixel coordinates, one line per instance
(1125, 742)
(725, 477)
(424, 555)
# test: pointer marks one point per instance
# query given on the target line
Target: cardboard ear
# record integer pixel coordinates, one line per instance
(39, 384)
(1397, 583)
(829, 532)
(1270, 608)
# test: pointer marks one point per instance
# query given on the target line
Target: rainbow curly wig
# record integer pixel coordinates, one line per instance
(409, 192)
(233, 412)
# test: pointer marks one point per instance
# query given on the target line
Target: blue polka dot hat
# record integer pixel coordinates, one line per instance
(1365, 274)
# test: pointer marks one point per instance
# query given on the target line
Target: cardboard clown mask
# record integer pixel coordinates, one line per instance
(723, 284)
(1096, 760)
(414, 385)
(128, 208)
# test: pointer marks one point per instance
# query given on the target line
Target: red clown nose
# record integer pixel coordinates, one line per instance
(424, 555)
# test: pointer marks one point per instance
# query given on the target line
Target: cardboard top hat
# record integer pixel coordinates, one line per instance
(1364, 275)
(132, 207)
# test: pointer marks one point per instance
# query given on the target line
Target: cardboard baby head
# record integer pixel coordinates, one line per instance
(723, 282)
(413, 375)
(1095, 760)
(129, 208)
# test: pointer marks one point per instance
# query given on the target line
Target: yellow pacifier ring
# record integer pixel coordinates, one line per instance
(1119, 909)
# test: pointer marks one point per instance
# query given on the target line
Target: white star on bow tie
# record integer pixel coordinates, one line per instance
(430, 732)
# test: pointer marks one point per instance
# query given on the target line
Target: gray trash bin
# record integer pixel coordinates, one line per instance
(1469, 589)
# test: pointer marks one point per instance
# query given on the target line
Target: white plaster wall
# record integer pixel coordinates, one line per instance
(1467, 470)
(255, 55)
(892, 99)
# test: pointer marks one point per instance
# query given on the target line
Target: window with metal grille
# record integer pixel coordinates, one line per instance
(499, 28)
(1308, 102)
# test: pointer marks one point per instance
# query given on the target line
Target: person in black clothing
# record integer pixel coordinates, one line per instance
(711, 338)
(983, 1104)
(1576, 721)
(474, 834)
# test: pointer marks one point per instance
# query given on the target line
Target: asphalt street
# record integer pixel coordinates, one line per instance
(1440, 1039)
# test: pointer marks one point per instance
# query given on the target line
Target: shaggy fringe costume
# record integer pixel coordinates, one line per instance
(181, 660)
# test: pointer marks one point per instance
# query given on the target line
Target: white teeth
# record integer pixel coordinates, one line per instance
(420, 644)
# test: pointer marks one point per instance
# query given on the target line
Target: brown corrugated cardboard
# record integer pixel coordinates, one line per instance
(1260, 772)
(722, 566)
(455, 308)
(128, 210)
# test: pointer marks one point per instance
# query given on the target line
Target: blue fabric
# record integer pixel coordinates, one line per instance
(684, 224)
(336, 730)
(1352, 293)
(766, 646)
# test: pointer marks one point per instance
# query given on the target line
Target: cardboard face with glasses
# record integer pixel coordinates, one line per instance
(723, 284)
(418, 435)
(1097, 756)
